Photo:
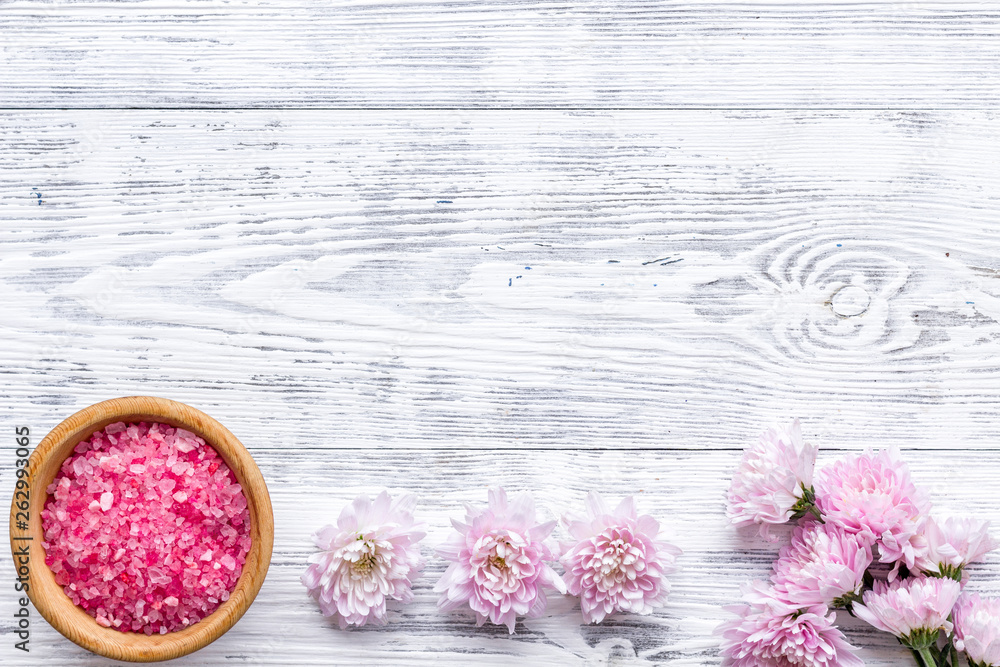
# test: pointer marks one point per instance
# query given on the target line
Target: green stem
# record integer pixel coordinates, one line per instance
(928, 659)
(939, 659)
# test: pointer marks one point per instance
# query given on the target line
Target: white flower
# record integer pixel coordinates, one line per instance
(366, 560)
(914, 610)
(774, 479)
(977, 629)
(953, 544)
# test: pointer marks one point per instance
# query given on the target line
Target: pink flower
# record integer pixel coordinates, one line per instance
(366, 560)
(871, 495)
(915, 610)
(823, 565)
(616, 564)
(774, 480)
(769, 632)
(953, 544)
(498, 562)
(977, 629)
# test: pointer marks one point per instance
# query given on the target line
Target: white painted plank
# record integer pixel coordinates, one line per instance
(682, 489)
(436, 54)
(358, 279)
(341, 290)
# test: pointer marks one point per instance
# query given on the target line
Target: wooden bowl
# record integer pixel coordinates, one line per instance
(48, 596)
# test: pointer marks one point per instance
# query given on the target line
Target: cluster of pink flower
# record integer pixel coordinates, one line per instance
(866, 543)
(500, 560)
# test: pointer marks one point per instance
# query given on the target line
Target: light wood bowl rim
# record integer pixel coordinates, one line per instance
(74, 623)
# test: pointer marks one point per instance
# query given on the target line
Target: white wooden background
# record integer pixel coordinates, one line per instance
(435, 246)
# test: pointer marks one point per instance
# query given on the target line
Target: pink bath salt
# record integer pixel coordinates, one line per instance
(187, 441)
(146, 528)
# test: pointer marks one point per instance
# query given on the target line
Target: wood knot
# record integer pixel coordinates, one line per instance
(849, 301)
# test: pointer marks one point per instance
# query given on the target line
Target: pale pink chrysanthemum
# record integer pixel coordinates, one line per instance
(499, 562)
(774, 480)
(616, 563)
(367, 560)
(977, 629)
(872, 495)
(769, 632)
(954, 543)
(915, 610)
(822, 565)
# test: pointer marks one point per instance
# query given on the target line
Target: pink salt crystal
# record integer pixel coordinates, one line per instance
(185, 444)
(134, 569)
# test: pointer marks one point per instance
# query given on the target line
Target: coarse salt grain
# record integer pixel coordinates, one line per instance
(146, 528)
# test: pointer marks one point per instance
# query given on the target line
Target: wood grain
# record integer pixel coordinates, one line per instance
(823, 54)
(48, 596)
(348, 292)
(435, 246)
(494, 280)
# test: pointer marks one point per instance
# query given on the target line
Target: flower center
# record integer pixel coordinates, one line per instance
(614, 554)
(501, 562)
(367, 556)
